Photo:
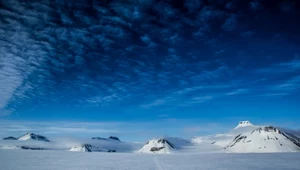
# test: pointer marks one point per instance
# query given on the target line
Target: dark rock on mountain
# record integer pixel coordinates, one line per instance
(111, 150)
(109, 138)
(10, 138)
(30, 148)
(98, 138)
(114, 138)
(86, 148)
(153, 149)
(163, 141)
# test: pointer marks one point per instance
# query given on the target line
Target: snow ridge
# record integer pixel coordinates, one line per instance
(33, 136)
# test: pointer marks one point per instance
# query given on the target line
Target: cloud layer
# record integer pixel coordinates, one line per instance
(145, 54)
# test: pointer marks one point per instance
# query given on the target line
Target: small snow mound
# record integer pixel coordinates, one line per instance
(161, 146)
(21, 147)
(10, 147)
(85, 148)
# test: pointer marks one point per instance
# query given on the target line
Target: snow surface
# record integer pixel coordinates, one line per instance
(58, 160)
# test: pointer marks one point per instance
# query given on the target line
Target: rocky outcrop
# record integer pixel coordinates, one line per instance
(10, 138)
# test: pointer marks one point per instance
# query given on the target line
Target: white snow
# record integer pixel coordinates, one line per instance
(25, 137)
(10, 147)
(61, 160)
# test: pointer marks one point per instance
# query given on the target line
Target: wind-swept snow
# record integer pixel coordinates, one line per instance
(57, 160)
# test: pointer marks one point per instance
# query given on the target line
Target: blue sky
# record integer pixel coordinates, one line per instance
(148, 67)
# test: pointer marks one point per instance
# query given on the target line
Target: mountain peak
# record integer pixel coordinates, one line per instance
(33, 136)
(244, 124)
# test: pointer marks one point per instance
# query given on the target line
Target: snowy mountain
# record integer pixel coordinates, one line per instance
(264, 139)
(222, 140)
(110, 144)
(247, 138)
(32, 136)
(244, 138)
(157, 146)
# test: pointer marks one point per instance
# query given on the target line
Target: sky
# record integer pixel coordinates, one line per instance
(146, 68)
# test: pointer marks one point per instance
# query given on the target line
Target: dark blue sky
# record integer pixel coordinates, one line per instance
(179, 64)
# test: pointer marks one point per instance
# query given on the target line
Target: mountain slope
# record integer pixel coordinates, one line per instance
(222, 140)
(247, 138)
(264, 139)
(32, 136)
(157, 146)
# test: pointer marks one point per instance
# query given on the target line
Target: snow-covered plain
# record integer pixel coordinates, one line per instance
(60, 160)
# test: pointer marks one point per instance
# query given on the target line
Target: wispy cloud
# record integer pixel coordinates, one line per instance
(92, 130)
(238, 91)
(157, 102)
(4, 112)
(282, 68)
(201, 99)
(185, 97)
(291, 84)
(273, 94)
(140, 131)
(18, 128)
